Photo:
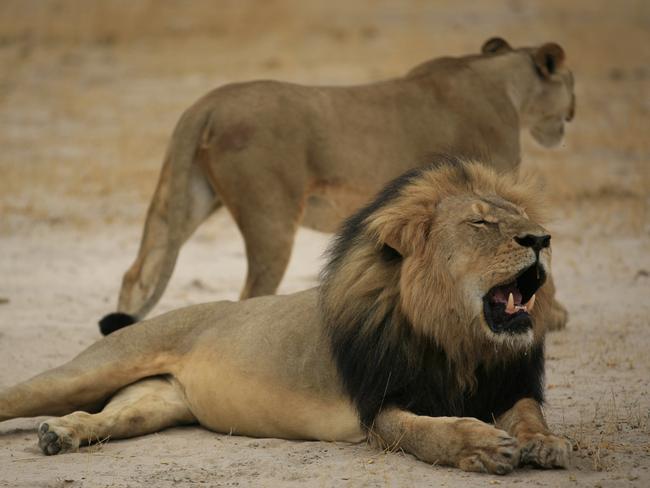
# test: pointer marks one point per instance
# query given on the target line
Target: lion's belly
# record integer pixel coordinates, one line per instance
(226, 398)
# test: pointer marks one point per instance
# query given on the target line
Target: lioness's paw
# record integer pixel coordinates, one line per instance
(545, 451)
(557, 316)
(487, 449)
(56, 440)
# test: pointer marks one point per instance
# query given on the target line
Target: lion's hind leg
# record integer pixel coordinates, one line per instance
(144, 407)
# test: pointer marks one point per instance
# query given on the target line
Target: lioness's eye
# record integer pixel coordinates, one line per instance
(479, 222)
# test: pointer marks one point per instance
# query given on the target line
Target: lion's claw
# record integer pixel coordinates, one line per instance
(545, 451)
(489, 450)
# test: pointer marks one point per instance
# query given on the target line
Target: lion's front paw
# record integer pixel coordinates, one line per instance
(545, 450)
(487, 449)
(56, 440)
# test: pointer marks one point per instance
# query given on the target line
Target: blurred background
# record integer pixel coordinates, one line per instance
(90, 90)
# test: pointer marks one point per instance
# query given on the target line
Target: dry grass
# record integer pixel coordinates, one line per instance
(597, 435)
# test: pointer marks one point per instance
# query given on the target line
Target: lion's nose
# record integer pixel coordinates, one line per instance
(536, 242)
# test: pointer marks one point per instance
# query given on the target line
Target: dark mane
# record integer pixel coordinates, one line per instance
(381, 358)
(351, 228)
(397, 368)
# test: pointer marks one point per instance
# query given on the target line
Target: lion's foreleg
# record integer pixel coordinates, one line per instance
(467, 443)
(141, 408)
(525, 421)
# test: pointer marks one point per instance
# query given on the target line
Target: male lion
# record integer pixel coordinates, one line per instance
(274, 152)
(422, 333)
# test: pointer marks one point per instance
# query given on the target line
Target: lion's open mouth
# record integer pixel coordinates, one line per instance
(507, 307)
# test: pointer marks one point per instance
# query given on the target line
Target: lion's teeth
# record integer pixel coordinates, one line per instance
(510, 308)
(531, 303)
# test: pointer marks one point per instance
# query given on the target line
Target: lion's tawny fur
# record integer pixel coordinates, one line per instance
(392, 346)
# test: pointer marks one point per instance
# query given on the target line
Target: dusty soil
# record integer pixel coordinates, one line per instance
(88, 96)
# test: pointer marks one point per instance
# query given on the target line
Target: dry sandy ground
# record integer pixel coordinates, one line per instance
(88, 95)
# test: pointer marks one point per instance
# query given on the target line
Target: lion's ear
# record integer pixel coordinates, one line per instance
(548, 58)
(393, 245)
(404, 236)
(495, 45)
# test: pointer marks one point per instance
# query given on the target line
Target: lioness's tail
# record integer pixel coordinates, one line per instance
(85, 382)
(175, 211)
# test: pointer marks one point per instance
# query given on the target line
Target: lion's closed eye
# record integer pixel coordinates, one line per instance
(481, 223)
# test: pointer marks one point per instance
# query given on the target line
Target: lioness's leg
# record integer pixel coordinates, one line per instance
(269, 229)
(525, 421)
(556, 315)
(141, 408)
(268, 256)
(464, 442)
(146, 279)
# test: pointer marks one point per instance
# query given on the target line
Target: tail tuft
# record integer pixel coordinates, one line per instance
(115, 321)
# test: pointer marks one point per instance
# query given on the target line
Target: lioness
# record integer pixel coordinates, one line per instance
(422, 333)
(274, 152)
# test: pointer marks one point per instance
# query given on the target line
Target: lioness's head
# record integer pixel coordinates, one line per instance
(454, 249)
(549, 101)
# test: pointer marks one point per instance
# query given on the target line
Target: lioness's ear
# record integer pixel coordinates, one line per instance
(548, 58)
(495, 45)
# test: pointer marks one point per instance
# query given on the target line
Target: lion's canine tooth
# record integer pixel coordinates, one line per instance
(510, 308)
(531, 303)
